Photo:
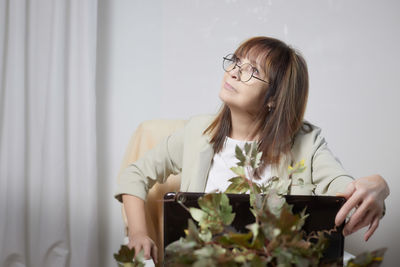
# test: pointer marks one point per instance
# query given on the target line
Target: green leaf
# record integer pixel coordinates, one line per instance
(204, 252)
(205, 236)
(255, 156)
(275, 203)
(125, 254)
(227, 217)
(254, 228)
(252, 199)
(257, 262)
(197, 214)
(256, 188)
(239, 170)
(239, 239)
(203, 262)
(139, 259)
(247, 147)
(126, 257)
(279, 186)
(192, 233)
(258, 160)
(239, 185)
(236, 180)
(215, 212)
(239, 155)
(240, 258)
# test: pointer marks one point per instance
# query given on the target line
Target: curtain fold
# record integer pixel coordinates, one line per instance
(48, 168)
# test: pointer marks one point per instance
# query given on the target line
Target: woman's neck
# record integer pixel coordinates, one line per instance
(243, 126)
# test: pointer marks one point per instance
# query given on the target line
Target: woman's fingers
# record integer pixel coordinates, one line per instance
(356, 219)
(372, 228)
(146, 250)
(154, 253)
(365, 221)
(367, 195)
(142, 242)
(352, 202)
(138, 248)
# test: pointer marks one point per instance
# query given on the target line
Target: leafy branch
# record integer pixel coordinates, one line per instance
(274, 239)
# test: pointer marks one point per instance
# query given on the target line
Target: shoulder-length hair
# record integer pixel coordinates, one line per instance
(282, 112)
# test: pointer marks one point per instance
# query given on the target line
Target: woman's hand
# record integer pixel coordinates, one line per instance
(367, 195)
(138, 237)
(141, 241)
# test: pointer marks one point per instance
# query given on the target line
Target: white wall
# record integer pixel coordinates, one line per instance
(162, 59)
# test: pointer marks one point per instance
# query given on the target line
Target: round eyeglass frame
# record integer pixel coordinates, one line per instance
(235, 64)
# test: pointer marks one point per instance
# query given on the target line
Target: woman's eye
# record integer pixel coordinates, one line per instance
(255, 71)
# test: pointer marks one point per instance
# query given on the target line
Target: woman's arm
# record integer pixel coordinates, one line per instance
(138, 236)
(135, 181)
(155, 166)
(367, 195)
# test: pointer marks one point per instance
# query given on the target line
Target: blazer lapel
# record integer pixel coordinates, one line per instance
(198, 184)
(281, 170)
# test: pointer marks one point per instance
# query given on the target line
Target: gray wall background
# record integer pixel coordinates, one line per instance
(162, 59)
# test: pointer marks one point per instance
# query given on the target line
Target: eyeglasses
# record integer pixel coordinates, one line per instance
(246, 70)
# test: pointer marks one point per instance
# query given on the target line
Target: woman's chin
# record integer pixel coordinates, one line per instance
(226, 98)
(226, 94)
(230, 103)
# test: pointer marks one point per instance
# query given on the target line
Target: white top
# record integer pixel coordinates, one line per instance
(220, 171)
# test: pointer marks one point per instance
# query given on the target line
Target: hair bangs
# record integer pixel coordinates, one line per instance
(256, 52)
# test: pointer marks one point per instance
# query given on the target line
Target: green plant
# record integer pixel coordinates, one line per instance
(274, 239)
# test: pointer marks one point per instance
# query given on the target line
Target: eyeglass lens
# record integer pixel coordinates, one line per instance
(245, 70)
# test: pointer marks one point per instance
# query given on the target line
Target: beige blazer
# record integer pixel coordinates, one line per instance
(188, 151)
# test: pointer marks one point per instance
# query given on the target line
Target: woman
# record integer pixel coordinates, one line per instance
(264, 93)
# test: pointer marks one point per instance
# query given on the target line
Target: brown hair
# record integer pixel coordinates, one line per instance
(282, 112)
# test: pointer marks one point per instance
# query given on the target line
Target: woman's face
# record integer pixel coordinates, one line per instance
(243, 96)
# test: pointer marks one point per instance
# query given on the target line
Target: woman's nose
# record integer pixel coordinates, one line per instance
(235, 73)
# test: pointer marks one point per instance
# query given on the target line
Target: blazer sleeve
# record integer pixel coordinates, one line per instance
(328, 173)
(155, 166)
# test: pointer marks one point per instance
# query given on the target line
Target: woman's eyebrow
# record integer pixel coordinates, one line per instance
(255, 65)
(252, 62)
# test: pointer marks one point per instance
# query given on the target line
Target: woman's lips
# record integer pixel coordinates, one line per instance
(229, 87)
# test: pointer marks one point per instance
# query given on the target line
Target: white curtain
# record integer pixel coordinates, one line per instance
(48, 177)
